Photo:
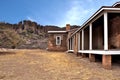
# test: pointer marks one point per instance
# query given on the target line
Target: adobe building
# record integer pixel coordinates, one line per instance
(57, 40)
(99, 35)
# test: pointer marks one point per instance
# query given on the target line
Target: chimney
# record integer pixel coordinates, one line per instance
(67, 27)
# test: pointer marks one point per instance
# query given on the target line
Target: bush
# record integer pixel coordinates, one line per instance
(10, 39)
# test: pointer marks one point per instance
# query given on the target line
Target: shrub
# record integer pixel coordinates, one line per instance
(10, 39)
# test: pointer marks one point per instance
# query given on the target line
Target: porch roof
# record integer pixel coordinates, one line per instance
(96, 14)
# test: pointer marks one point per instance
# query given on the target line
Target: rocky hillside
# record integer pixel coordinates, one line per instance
(25, 34)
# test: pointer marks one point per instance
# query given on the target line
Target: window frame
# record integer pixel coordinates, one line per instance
(58, 44)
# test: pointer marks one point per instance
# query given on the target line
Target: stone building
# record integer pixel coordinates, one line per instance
(99, 35)
(57, 40)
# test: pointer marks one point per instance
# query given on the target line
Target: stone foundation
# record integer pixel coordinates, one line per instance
(83, 55)
(107, 61)
(92, 57)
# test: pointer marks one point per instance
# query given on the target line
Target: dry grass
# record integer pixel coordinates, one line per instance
(44, 65)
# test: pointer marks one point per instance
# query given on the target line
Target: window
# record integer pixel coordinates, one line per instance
(58, 40)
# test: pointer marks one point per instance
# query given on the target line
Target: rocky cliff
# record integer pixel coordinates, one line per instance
(25, 34)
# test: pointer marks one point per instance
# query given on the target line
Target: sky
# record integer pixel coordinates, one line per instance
(50, 12)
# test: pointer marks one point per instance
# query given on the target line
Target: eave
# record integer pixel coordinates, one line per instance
(94, 16)
(57, 31)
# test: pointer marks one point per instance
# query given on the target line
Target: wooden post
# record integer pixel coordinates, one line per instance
(105, 31)
(83, 39)
(76, 44)
(90, 36)
(91, 56)
(106, 59)
(83, 54)
(72, 43)
(78, 40)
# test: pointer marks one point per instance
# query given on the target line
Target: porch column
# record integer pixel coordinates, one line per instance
(90, 37)
(106, 59)
(83, 55)
(68, 48)
(83, 39)
(91, 56)
(73, 43)
(70, 43)
(76, 44)
(105, 31)
(78, 41)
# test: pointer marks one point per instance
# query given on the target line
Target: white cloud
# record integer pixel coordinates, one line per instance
(31, 19)
(76, 15)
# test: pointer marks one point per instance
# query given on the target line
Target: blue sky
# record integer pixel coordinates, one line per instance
(50, 12)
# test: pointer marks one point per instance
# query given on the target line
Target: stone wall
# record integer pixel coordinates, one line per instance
(98, 38)
(114, 32)
(52, 42)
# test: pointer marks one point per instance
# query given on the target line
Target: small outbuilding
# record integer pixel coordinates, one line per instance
(57, 40)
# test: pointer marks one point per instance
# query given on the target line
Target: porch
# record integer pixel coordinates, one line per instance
(99, 36)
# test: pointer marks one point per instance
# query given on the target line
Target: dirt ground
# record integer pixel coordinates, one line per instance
(44, 65)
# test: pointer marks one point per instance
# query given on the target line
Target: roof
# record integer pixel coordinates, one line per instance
(57, 31)
(103, 8)
(117, 3)
(71, 32)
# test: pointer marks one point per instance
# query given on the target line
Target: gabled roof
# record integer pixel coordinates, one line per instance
(103, 8)
(117, 3)
(73, 30)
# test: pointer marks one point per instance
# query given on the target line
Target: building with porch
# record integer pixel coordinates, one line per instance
(99, 35)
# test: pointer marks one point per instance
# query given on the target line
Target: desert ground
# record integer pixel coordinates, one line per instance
(43, 65)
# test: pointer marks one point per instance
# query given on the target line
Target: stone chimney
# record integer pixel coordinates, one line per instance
(67, 27)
